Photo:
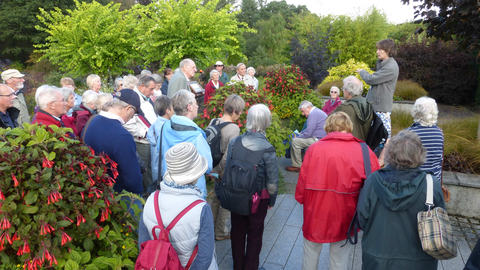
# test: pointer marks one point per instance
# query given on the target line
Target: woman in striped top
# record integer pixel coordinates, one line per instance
(425, 113)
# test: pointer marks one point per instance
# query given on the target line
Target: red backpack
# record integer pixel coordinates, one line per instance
(159, 253)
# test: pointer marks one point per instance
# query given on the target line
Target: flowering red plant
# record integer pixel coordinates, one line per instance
(276, 133)
(55, 197)
(288, 87)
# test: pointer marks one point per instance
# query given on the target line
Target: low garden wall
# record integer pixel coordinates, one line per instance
(397, 105)
(465, 193)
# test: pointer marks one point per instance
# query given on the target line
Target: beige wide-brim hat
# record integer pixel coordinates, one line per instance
(11, 73)
(219, 63)
(184, 164)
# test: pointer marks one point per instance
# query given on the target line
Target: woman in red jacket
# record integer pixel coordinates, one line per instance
(328, 186)
(212, 85)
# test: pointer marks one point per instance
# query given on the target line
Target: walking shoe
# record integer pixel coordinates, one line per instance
(220, 238)
(292, 169)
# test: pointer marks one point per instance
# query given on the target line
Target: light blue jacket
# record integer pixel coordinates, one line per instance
(173, 136)
(153, 135)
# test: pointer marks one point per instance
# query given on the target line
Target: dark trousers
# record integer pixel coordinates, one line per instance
(248, 229)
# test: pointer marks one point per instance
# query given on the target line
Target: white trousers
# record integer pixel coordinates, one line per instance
(338, 255)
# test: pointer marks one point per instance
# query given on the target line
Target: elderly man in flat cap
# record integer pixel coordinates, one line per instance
(14, 79)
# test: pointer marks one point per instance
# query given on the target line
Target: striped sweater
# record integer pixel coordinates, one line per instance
(432, 140)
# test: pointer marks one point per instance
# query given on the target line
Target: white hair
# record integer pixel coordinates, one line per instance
(213, 71)
(101, 100)
(305, 104)
(259, 118)
(66, 92)
(425, 111)
(251, 68)
(180, 101)
(89, 96)
(47, 95)
(129, 82)
(353, 85)
(40, 89)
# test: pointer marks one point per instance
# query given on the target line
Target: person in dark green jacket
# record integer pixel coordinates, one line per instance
(388, 206)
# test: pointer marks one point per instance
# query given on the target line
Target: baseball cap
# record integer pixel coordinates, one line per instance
(130, 97)
(11, 73)
(219, 63)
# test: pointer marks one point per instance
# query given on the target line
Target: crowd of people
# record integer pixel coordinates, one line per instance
(146, 126)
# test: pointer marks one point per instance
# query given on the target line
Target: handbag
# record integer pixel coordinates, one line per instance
(435, 230)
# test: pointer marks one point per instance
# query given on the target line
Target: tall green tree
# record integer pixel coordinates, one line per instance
(91, 39)
(173, 30)
(249, 12)
(356, 37)
(17, 24)
(274, 37)
(288, 11)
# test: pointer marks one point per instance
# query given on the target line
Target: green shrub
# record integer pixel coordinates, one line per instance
(287, 89)
(448, 75)
(276, 133)
(57, 204)
(409, 90)
(339, 73)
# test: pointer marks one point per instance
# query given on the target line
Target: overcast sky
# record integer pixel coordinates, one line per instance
(394, 9)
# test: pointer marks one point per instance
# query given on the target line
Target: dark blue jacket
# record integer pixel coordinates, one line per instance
(110, 137)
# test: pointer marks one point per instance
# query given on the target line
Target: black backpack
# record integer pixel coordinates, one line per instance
(377, 133)
(214, 140)
(240, 180)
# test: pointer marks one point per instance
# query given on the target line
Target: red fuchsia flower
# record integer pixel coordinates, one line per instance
(65, 238)
(4, 224)
(92, 182)
(54, 197)
(49, 257)
(98, 231)
(92, 151)
(83, 196)
(23, 249)
(15, 182)
(80, 219)
(114, 164)
(47, 163)
(115, 174)
(103, 160)
(2, 197)
(89, 172)
(46, 228)
(82, 166)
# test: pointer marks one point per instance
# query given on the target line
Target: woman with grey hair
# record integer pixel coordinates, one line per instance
(158, 85)
(84, 111)
(388, 208)
(68, 121)
(333, 102)
(425, 113)
(118, 84)
(250, 228)
(251, 72)
(129, 82)
(212, 85)
(178, 191)
(101, 100)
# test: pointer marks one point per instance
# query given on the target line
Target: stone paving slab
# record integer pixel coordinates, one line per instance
(468, 180)
(283, 239)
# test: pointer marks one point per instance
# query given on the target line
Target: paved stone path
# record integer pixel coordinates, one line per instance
(283, 238)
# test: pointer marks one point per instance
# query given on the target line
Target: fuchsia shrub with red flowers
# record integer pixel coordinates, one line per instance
(57, 205)
(276, 133)
(288, 87)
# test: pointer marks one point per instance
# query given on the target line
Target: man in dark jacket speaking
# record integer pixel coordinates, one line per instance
(356, 107)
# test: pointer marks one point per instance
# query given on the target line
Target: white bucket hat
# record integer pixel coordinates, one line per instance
(184, 164)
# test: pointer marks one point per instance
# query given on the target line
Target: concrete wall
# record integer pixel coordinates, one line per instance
(465, 194)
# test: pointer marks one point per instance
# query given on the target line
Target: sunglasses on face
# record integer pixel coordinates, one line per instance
(333, 92)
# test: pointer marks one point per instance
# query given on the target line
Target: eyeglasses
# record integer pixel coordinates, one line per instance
(333, 92)
(134, 109)
(11, 95)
